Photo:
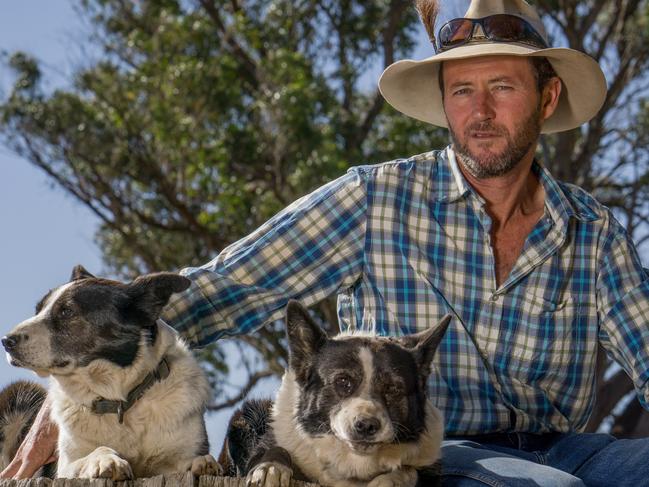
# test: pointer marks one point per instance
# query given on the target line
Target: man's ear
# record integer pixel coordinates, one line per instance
(550, 97)
(80, 272)
(150, 293)
(305, 338)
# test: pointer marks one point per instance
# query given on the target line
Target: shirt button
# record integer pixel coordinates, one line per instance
(495, 297)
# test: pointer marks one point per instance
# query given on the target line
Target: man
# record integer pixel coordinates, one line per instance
(536, 272)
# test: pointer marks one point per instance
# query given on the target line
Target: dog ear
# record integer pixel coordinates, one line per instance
(305, 338)
(424, 344)
(151, 292)
(80, 272)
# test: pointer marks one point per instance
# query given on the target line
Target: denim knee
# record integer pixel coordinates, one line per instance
(468, 464)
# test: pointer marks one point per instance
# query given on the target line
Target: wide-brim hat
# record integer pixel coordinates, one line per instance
(412, 87)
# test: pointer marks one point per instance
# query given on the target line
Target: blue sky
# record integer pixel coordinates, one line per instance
(44, 231)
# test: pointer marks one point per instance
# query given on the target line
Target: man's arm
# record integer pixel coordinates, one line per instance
(37, 449)
(310, 250)
(623, 307)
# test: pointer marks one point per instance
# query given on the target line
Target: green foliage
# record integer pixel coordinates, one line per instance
(202, 119)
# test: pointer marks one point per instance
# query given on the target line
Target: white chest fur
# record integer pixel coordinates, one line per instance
(160, 431)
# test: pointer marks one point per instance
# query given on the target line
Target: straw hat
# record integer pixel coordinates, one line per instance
(412, 86)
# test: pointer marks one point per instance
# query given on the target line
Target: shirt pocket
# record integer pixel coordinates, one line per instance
(546, 339)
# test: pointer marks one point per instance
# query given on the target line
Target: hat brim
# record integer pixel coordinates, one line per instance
(412, 86)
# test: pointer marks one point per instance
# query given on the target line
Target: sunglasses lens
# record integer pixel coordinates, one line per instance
(499, 28)
(504, 28)
(455, 32)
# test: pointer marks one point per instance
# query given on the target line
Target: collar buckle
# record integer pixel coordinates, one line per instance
(119, 407)
(120, 412)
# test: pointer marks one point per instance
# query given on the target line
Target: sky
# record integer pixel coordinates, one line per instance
(44, 232)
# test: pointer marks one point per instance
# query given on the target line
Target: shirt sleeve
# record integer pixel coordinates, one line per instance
(623, 308)
(307, 252)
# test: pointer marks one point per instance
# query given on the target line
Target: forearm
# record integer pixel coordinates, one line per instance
(37, 449)
(307, 252)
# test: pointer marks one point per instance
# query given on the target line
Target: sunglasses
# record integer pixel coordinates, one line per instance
(497, 28)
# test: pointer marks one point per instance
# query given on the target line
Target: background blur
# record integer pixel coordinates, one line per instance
(148, 135)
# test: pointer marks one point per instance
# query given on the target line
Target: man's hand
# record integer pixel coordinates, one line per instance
(37, 449)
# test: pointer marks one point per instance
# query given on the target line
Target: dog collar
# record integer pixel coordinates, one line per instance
(111, 406)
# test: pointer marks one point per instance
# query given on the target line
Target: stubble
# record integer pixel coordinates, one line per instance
(490, 164)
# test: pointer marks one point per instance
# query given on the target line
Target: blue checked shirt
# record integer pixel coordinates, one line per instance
(405, 242)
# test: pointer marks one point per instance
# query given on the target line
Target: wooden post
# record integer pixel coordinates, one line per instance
(175, 480)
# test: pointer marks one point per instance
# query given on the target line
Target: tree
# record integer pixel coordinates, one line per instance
(202, 118)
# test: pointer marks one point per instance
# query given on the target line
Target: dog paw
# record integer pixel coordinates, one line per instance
(269, 474)
(105, 464)
(205, 465)
(406, 477)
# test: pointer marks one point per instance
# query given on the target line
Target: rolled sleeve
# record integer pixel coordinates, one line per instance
(308, 251)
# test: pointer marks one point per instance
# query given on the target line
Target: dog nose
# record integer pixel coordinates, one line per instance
(367, 427)
(10, 342)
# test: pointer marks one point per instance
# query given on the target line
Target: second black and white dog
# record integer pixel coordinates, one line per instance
(126, 393)
(351, 411)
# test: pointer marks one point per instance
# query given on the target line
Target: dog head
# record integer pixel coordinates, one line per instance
(91, 318)
(366, 391)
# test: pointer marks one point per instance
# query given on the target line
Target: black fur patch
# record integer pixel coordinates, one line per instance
(245, 430)
(98, 318)
(19, 404)
(87, 323)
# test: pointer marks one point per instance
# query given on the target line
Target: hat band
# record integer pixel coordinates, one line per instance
(496, 28)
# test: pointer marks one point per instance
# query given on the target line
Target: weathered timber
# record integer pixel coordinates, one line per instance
(175, 480)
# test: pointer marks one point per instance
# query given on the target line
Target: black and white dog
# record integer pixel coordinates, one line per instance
(127, 395)
(351, 411)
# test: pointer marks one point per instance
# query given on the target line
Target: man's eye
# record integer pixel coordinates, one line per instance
(461, 91)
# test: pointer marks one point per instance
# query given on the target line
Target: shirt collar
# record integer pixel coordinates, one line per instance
(560, 202)
(453, 186)
(450, 182)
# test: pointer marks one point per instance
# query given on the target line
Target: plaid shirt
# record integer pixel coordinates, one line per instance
(405, 242)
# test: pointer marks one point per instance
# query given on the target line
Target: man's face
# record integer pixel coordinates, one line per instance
(494, 112)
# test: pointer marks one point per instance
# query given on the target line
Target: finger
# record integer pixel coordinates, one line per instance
(27, 470)
(10, 470)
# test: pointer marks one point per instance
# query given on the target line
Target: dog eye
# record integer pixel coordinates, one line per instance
(344, 385)
(65, 312)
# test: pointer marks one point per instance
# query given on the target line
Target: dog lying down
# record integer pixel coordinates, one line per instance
(351, 411)
(127, 395)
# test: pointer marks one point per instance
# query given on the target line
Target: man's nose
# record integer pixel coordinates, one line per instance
(483, 106)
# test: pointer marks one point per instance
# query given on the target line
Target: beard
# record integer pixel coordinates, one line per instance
(493, 164)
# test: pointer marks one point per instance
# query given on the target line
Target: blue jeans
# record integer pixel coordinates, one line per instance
(552, 460)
